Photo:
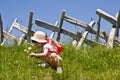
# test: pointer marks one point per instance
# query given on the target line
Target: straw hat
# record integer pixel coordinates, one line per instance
(39, 37)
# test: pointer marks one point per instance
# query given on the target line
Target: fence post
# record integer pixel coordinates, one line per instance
(117, 24)
(98, 30)
(60, 26)
(29, 26)
(1, 28)
(111, 37)
(113, 32)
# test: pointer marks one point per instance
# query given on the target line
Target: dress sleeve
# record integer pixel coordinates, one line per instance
(46, 46)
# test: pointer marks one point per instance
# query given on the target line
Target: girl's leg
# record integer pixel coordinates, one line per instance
(57, 59)
(45, 60)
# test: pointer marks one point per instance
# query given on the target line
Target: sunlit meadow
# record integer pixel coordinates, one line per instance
(86, 63)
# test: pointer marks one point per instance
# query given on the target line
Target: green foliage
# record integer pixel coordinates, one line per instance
(86, 63)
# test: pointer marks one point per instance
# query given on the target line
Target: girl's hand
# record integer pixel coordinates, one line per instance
(32, 55)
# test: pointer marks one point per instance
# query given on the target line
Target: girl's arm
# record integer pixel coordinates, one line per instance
(39, 54)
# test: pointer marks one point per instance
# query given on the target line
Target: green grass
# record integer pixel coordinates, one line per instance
(96, 63)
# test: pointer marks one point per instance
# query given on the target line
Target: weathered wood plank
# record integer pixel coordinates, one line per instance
(60, 26)
(1, 28)
(78, 36)
(11, 28)
(9, 36)
(111, 38)
(117, 41)
(29, 26)
(118, 19)
(46, 25)
(21, 39)
(98, 29)
(85, 34)
(74, 42)
(21, 28)
(82, 39)
(106, 16)
(80, 23)
(75, 21)
(117, 23)
(53, 28)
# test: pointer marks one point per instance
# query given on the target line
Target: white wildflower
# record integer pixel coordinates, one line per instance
(25, 50)
(29, 48)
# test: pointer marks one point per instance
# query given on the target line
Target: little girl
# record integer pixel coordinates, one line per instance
(50, 50)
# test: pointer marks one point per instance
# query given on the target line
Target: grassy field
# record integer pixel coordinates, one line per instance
(96, 63)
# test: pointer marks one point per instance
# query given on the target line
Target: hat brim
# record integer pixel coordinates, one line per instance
(38, 40)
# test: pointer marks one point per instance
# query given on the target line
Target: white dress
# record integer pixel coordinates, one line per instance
(51, 49)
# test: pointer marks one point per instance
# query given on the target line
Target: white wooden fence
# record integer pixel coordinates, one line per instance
(78, 37)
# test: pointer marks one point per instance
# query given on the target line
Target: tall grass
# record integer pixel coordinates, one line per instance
(96, 63)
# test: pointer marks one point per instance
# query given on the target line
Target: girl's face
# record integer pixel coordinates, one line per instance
(38, 45)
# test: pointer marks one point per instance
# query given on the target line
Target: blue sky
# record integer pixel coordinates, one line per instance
(50, 11)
